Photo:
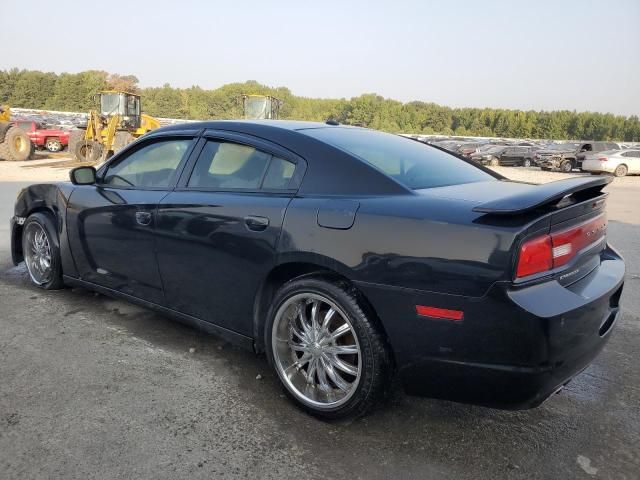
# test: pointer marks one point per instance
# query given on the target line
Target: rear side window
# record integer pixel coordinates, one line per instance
(227, 165)
(413, 164)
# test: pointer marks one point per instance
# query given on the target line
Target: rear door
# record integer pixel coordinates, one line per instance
(217, 233)
(509, 156)
(111, 224)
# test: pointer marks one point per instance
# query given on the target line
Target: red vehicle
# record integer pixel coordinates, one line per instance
(53, 140)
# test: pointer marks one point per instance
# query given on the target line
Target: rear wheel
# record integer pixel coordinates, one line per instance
(75, 137)
(328, 354)
(527, 162)
(41, 251)
(621, 171)
(121, 140)
(88, 151)
(53, 145)
(16, 146)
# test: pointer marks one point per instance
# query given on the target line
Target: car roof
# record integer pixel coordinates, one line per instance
(239, 124)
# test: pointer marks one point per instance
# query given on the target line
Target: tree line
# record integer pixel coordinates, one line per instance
(75, 92)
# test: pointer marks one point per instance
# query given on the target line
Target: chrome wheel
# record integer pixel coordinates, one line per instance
(316, 351)
(53, 145)
(37, 253)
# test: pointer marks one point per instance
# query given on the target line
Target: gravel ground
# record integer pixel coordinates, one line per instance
(96, 388)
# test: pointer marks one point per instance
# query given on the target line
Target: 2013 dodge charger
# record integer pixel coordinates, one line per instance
(346, 254)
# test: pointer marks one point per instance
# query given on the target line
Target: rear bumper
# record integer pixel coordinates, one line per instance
(513, 348)
(597, 166)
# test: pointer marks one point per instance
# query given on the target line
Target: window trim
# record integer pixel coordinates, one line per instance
(249, 141)
(137, 146)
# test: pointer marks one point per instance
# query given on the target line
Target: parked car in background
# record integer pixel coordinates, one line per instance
(564, 156)
(594, 147)
(489, 155)
(618, 162)
(468, 149)
(53, 140)
(517, 156)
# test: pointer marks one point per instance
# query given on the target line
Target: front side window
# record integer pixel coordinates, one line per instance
(152, 166)
(227, 165)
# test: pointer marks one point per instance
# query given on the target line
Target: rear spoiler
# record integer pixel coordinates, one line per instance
(545, 195)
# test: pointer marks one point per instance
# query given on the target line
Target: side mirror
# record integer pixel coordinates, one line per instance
(83, 176)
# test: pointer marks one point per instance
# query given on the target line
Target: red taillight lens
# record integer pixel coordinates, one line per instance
(569, 242)
(603, 159)
(535, 256)
(550, 251)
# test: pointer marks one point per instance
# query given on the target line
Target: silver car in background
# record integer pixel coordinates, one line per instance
(618, 162)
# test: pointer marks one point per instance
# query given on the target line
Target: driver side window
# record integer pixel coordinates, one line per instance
(152, 166)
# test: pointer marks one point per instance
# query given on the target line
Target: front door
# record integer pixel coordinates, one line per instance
(217, 235)
(111, 224)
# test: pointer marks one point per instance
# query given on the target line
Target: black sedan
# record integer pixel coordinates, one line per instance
(348, 255)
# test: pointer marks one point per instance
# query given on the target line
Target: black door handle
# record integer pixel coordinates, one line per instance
(256, 223)
(143, 218)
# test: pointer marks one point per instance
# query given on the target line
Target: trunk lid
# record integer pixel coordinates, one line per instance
(570, 212)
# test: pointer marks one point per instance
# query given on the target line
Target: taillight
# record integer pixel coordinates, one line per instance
(603, 159)
(550, 251)
(535, 256)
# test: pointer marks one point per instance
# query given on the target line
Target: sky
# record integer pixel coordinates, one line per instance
(541, 55)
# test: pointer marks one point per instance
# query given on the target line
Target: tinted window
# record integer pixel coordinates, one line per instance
(278, 174)
(631, 153)
(229, 165)
(153, 165)
(411, 163)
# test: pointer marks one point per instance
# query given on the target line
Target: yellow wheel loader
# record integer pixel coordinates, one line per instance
(258, 107)
(116, 124)
(15, 144)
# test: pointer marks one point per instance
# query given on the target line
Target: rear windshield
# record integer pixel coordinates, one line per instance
(413, 164)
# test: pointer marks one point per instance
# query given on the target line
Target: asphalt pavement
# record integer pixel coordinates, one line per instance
(96, 388)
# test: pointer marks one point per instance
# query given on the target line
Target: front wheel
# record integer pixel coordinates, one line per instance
(41, 251)
(526, 163)
(566, 166)
(327, 352)
(494, 162)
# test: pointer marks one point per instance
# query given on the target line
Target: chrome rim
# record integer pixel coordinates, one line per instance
(316, 351)
(53, 146)
(38, 253)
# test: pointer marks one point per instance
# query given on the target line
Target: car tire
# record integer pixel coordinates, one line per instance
(16, 146)
(566, 166)
(621, 170)
(494, 162)
(526, 163)
(88, 151)
(41, 251)
(53, 145)
(327, 379)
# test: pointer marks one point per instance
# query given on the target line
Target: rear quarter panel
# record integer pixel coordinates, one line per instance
(402, 241)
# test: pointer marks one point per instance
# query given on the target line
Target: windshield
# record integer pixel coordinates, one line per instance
(109, 103)
(413, 164)
(256, 107)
